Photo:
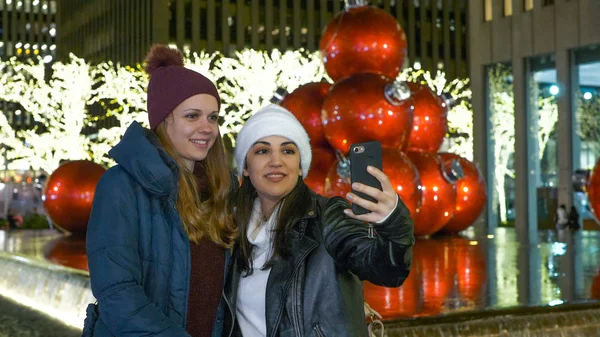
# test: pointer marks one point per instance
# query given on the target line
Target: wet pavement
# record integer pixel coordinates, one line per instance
(468, 274)
(451, 275)
(19, 321)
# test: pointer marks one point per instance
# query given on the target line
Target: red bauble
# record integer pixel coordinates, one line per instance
(404, 177)
(357, 110)
(470, 195)
(439, 195)
(396, 165)
(322, 159)
(69, 194)
(363, 40)
(305, 103)
(430, 123)
(593, 190)
(67, 251)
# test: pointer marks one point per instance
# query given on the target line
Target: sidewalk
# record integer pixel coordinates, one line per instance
(20, 321)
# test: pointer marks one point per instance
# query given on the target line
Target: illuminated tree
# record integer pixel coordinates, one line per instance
(248, 80)
(502, 134)
(120, 91)
(8, 144)
(588, 128)
(58, 106)
(548, 116)
(587, 117)
(104, 99)
(502, 117)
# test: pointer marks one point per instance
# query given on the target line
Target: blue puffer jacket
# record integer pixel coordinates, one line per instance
(138, 251)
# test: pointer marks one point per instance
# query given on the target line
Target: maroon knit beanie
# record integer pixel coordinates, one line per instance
(171, 83)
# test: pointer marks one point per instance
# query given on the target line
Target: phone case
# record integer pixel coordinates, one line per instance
(361, 156)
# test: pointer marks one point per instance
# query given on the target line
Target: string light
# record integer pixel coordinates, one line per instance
(245, 81)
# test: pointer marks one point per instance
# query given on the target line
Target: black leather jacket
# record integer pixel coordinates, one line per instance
(318, 291)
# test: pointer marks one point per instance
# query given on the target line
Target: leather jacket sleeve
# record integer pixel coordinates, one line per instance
(384, 260)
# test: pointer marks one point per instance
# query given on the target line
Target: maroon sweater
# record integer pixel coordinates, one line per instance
(206, 278)
(206, 284)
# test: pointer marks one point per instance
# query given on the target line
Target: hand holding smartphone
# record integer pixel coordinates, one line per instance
(363, 155)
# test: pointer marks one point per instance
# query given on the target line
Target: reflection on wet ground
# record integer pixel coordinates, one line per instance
(460, 274)
(449, 275)
(43, 246)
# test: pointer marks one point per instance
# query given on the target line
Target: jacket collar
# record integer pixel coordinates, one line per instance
(140, 153)
(282, 273)
(311, 212)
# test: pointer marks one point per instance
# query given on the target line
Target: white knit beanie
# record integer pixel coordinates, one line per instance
(272, 120)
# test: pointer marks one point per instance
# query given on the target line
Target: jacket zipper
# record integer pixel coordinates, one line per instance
(318, 330)
(231, 311)
(278, 320)
(295, 311)
(189, 262)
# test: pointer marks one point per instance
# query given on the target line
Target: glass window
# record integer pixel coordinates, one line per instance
(586, 142)
(541, 93)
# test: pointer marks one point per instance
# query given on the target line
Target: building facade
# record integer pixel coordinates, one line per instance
(27, 30)
(122, 31)
(535, 74)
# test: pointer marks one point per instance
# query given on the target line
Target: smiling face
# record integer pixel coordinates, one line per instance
(193, 128)
(273, 166)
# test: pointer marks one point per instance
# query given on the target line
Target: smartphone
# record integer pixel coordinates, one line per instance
(361, 156)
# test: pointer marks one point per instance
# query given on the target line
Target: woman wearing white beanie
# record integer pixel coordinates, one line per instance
(298, 264)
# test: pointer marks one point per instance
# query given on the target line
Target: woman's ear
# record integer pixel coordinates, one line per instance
(246, 174)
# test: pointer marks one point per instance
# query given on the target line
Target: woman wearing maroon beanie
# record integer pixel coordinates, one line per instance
(161, 228)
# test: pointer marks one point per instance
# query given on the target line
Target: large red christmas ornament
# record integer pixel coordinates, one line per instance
(69, 194)
(322, 159)
(368, 107)
(67, 251)
(404, 177)
(430, 122)
(305, 103)
(363, 39)
(396, 165)
(470, 195)
(439, 194)
(593, 189)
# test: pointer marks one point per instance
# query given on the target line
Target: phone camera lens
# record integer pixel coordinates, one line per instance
(358, 149)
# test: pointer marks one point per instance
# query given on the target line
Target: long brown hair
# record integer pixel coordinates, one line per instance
(212, 216)
(293, 207)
